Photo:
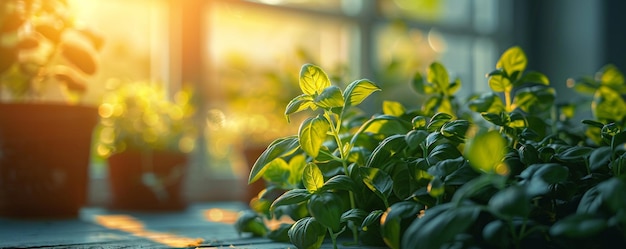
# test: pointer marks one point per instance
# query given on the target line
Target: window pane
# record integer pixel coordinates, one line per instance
(254, 56)
(444, 12)
(135, 39)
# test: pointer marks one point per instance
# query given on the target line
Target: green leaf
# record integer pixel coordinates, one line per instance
(510, 202)
(415, 138)
(611, 76)
(420, 86)
(499, 83)
(608, 105)
(535, 77)
(327, 209)
(279, 148)
(439, 225)
(277, 171)
(393, 108)
(535, 99)
(438, 120)
(312, 177)
(486, 151)
(419, 122)
(359, 90)
(391, 221)
(512, 60)
(539, 177)
(338, 182)
(378, 181)
(579, 226)
(312, 134)
(454, 87)
(355, 215)
(307, 233)
(313, 80)
(372, 218)
(298, 104)
(456, 129)
(290, 197)
(438, 75)
(250, 222)
(330, 97)
(296, 167)
(385, 150)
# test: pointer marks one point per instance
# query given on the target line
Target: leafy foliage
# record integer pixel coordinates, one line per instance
(429, 179)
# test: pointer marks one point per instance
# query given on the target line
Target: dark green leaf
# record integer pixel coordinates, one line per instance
(510, 202)
(392, 219)
(372, 218)
(415, 138)
(438, 120)
(455, 129)
(578, 226)
(439, 225)
(535, 77)
(327, 209)
(293, 196)
(355, 215)
(307, 233)
(250, 222)
(420, 86)
(487, 102)
(378, 181)
(338, 182)
(385, 150)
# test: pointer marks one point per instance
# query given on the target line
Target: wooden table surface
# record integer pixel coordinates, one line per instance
(207, 225)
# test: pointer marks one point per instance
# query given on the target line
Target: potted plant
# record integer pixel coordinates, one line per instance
(146, 139)
(45, 131)
(508, 173)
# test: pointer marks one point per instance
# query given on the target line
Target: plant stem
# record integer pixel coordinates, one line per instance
(507, 99)
(335, 128)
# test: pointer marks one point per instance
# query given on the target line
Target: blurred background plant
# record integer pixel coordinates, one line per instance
(45, 53)
(139, 116)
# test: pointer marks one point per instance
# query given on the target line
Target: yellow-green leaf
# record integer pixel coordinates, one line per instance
(485, 153)
(393, 108)
(312, 135)
(358, 91)
(513, 60)
(313, 80)
(312, 177)
(438, 76)
(499, 84)
(330, 97)
(298, 104)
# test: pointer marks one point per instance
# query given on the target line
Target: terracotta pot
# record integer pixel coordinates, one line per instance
(44, 158)
(251, 154)
(129, 172)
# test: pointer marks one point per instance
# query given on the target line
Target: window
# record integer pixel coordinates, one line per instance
(243, 57)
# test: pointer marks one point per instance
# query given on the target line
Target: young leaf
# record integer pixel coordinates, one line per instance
(312, 177)
(330, 97)
(357, 91)
(499, 83)
(485, 153)
(307, 233)
(298, 104)
(293, 196)
(438, 120)
(535, 77)
(487, 102)
(279, 148)
(313, 80)
(277, 171)
(512, 60)
(312, 134)
(438, 75)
